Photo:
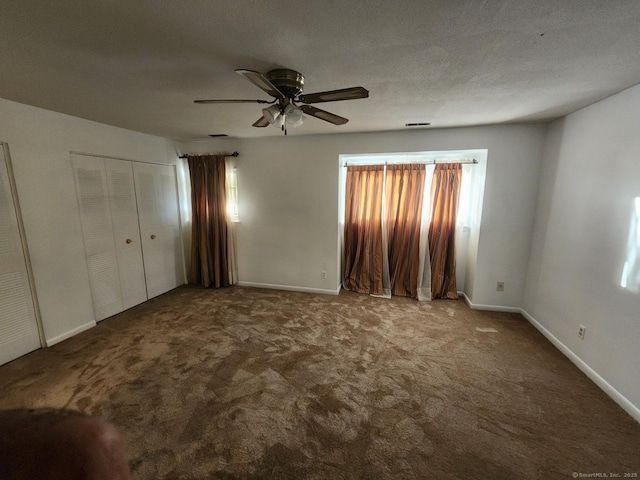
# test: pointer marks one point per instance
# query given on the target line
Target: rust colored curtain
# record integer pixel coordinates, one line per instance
(209, 248)
(363, 248)
(445, 193)
(404, 192)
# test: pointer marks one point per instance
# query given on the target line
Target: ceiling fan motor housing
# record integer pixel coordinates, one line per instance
(289, 82)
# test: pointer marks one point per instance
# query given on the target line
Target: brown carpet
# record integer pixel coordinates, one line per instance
(246, 383)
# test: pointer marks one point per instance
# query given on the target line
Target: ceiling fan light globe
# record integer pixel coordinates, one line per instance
(278, 121)
(293, 115)
(271, 113)
(296, 123)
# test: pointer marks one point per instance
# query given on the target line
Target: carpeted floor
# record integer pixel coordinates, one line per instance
(246, 383)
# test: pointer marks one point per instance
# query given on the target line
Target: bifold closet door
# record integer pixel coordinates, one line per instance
(156, 191)
(126, 232)
(18, 325)
(97, 233)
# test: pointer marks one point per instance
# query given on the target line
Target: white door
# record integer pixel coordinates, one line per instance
(97, 232)
(18, 325)
(126, 232)
(159, 227)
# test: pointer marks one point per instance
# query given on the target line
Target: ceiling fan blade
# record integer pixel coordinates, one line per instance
(352, 93)
(261, 122)
(262, 82)
(230, 101)
(323, 115)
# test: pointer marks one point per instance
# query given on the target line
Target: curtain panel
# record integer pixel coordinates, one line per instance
(404, 193)
(209, 237)
(364, 261)
(445, 194)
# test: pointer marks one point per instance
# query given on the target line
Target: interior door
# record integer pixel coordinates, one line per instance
(159, 226)
(18, 324)
(97, 232)
(126, 232)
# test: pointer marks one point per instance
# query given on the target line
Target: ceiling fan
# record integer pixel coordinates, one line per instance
(286, 87)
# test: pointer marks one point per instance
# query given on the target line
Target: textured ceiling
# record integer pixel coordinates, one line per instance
(140, 64)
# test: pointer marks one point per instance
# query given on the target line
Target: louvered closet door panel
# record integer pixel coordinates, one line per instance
(126, 232)
(171, 227)
(97, 232)
(159, 227)
(18, 327)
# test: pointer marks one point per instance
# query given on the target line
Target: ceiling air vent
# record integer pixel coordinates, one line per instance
(417, 124)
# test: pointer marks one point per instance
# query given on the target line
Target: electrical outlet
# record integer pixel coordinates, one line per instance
(500, 286)
(323, 275)
(581, 331)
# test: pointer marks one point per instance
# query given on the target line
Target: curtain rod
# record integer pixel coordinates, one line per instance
(428, 162)
(234, 154)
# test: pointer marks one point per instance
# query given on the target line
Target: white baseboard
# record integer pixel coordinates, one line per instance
(490, 308)
(290, 288)
(617, 397)
(52, 341)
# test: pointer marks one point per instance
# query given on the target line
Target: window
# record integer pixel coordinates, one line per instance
(471, 190)
(232, 195)
(470, 202)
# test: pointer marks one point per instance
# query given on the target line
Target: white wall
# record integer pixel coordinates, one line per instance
(589, 179)
(39, 143)
(288, 188)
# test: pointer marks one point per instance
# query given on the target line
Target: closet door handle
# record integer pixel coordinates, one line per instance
(153, 237)
(128, 240)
